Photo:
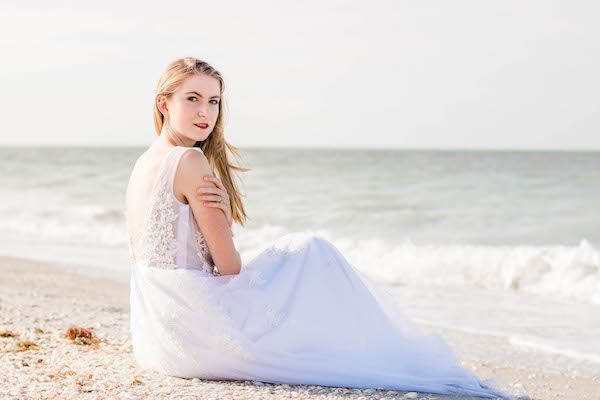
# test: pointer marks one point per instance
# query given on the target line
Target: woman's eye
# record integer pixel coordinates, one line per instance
(192, 97)
(215, 101)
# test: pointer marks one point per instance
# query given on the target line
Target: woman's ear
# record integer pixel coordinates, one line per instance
(161, 102)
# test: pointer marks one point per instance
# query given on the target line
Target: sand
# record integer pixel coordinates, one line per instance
(39, 301)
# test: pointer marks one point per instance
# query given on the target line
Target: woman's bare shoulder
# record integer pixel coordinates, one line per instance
(193, 166)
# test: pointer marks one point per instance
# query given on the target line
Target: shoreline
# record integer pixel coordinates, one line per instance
(40, 300)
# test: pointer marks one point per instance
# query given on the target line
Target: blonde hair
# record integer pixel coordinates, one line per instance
(214, 147)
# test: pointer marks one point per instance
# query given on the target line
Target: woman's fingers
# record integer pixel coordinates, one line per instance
(211, 198)
(215, 180)
(209, 190)
(214, 192)
(220, 191)
(216, 205)
(204, 191)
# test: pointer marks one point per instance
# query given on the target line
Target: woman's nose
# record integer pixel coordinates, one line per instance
(202, 110)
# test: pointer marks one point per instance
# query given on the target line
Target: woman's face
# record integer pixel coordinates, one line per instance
(193, 109)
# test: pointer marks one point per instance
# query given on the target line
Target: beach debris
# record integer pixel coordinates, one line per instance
(81, 336)
(25, 345)
(73, 332)
(411, 395)
(136, 380)
(83, 385)
(38, 330)
(62, 373)
(8, 334)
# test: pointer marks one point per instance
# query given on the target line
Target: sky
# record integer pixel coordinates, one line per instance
(346, 74)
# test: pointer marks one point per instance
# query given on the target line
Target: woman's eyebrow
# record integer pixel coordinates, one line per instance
(203, 96)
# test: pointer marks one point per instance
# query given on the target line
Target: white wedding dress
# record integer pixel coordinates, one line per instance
(298, 313)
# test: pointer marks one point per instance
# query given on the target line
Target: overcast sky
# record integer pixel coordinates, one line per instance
(399, 74)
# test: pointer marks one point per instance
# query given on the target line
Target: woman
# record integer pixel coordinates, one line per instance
(297, 313)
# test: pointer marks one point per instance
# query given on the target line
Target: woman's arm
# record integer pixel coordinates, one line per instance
(212, 221)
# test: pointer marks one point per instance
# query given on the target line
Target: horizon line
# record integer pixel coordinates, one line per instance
(279, 147)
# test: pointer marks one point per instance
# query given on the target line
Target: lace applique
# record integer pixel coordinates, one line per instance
(172, 331)
(256, 277)
(281, 252)
(228, 345)
(290, 245)
(274, 319)
(158, 244)
(222, 332)
(131, 256)
(203, 253)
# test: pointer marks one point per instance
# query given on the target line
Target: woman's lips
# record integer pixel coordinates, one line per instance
(202, 126)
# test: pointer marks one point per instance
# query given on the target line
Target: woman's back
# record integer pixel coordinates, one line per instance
(162, 230)
(141, 181)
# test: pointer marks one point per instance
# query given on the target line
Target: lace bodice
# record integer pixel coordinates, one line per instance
(170, 237)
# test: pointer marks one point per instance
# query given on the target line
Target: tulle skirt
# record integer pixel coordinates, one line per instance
(297, 313)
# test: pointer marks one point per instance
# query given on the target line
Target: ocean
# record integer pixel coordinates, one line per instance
(504, 243)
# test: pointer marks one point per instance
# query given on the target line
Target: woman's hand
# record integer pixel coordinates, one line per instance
(215, 196)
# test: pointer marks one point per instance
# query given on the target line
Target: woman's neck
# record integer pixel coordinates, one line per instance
(171, 139)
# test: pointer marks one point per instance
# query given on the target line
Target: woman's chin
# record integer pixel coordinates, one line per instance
(199, 138)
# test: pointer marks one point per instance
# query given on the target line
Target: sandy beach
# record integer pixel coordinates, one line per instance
(40, 301)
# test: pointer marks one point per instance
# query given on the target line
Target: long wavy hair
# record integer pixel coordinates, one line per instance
(215, 147)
